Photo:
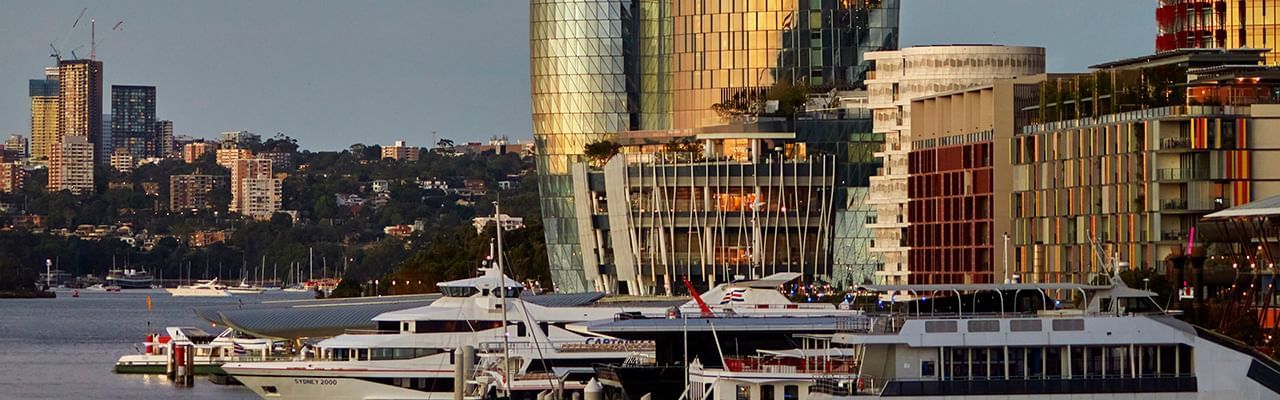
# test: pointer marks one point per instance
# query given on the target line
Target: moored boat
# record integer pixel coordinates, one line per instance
(209, 288)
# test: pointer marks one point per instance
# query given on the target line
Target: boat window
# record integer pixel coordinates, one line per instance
(1184, 360)
(339, 354)
(743, 392)
(1138, 305)
(1076, 360)
(926, 369)
(510, 292)
(362, 354)
(978, 363)
(1053, 362)
(766, 392)
(1116, 364)
(1147, 362)
(270, 390)
(455, 326)
(1094, 357)
(400, 353)
(957, 363)
(458, 291)
(791, 392)
(995, 357)
(1167, 360)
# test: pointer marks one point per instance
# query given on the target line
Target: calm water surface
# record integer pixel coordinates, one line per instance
(65, 348)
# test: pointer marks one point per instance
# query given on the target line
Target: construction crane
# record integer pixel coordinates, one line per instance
(57, 54)
(119, 26)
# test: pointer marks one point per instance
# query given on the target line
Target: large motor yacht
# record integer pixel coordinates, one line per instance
(209, 288)
(411, 354)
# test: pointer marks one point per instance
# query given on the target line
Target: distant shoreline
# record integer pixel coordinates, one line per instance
(27, 294)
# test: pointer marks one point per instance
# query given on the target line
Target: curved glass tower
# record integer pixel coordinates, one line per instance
(580, 61)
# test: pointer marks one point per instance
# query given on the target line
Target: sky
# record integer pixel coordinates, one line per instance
(333, 73)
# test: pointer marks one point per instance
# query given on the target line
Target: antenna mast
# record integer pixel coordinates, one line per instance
(93, 38)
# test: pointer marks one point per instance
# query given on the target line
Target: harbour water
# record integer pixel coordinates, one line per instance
(65, 348)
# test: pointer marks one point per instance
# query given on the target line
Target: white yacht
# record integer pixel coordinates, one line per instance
(411, 355)
(209, 288)
(245, 288)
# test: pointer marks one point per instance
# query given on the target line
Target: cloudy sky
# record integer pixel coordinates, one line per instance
(332, 73)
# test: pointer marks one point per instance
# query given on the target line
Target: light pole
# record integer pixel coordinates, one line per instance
(1006, 257)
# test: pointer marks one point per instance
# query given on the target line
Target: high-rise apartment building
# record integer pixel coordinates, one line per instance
(17, 146)
(168, 147)
(244, 170)
(899, 77)
(195, 192)
(238, 138)
(227, 157)
(133, 121)
(401, 151)
(122, 160)
(191, 152)
(1126, 159)
(105, 145)
(12, 177)
(260, 198)
(44, 115)
(1230, 24)
(602, 68)
(960, 181)
(71, 166)
(80, 102)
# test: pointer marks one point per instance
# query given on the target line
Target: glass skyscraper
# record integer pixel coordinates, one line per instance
(604, 67)
(133, 120)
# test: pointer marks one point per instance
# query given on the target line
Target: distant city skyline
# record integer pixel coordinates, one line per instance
(331, 73)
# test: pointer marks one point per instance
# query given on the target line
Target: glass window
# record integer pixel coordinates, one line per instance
(791, 392)
(766, 392)
(927, 368)
(743, 392)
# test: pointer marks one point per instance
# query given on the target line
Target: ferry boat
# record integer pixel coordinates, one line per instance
(998, 341)
(210, 351)
(209, 288)
(129, 279)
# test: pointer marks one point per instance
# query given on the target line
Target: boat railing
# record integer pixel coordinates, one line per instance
(369, 332)
(572, 346)
(846, 385)
(812, 365)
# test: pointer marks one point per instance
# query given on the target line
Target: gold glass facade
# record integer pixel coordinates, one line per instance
(80, 96)
(730, 51)
(580, 62)
(602, 67)
(1219, 24)
(44, 126)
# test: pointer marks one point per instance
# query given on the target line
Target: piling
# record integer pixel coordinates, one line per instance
(592, 391)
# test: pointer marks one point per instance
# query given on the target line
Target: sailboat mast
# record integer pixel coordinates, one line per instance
(502, 287)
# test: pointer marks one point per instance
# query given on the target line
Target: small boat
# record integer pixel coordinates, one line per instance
(112, 288)
(75, 293)
(296, 289)
(245, 288)
(211, 351)
(97, 288)
(130, 278)
(209, 288)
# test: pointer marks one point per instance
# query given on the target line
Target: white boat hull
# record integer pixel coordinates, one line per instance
(189, 292)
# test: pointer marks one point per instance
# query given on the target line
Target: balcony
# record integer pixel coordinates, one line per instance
(1180, 175)
(1172, 236)
(1174, 205)
(1175, 143)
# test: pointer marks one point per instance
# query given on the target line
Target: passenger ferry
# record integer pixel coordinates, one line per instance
(130, 279)
(1010, 341)
(210, 350)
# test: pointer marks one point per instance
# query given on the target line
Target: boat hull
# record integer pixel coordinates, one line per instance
(286, 387)
(187, 292)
